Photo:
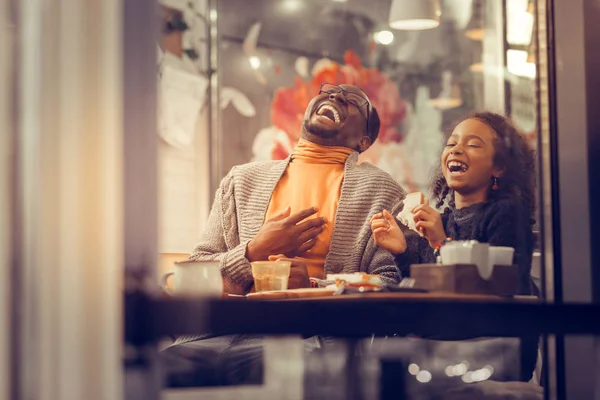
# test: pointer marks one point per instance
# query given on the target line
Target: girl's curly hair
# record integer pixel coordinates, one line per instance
(513, 154)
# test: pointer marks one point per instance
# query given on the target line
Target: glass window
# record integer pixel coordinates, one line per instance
(246, 71)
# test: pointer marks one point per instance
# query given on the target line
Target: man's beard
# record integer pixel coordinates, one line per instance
(319, 130)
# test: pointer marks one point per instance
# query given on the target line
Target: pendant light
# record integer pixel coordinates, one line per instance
(413, 15)
(475, 28)
(450, 96)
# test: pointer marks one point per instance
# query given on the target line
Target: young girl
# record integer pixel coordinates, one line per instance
(487, 182)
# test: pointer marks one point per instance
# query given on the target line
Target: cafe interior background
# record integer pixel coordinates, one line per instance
(228, 84)
(273, 55)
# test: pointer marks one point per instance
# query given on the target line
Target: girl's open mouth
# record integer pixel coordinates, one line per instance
(457, 167)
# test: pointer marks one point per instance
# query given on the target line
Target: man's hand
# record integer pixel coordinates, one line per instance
(298, 273)
(286, 234)
(387, 233)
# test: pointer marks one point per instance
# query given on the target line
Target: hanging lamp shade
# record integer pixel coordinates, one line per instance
(476, 67)
(475, 28)
(476, 52)
(413, 15)
(450, 96)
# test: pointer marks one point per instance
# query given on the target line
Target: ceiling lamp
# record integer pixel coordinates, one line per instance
(413, 15)
(450, 96)
(476, 67)
(383, 37)
(475, 28)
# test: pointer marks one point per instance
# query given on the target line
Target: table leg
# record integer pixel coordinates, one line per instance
(391, 381)
(353, 375)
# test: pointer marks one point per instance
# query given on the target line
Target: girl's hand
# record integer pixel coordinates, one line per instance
(429, 222)
(387, 234)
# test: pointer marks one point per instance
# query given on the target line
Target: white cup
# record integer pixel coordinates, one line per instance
(195, 278)
(469, 252)
(501, 255)
(455, 253)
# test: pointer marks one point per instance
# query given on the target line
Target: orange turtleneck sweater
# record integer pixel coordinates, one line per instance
(313, 178)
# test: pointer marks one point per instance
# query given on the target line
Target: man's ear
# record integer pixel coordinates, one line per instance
(364, 144)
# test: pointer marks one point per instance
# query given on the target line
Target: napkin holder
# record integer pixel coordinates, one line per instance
(465, 279)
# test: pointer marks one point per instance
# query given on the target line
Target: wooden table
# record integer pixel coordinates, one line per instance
(358, 315)
(150, 318)
(400, 296)
(323, 294)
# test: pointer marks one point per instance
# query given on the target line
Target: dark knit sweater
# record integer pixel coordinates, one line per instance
(499, 223)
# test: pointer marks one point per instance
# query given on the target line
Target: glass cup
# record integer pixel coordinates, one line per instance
(270, 275)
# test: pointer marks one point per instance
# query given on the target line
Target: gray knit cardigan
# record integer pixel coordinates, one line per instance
(241, 203)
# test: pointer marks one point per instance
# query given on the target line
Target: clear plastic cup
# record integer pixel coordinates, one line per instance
(270, 275)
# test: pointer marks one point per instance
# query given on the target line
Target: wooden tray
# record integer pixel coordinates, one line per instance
(291, 294)
(465, 279)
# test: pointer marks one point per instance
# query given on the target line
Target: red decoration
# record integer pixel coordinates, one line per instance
(289, 104)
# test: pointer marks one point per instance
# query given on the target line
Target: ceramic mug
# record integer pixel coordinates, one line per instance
(195, 278)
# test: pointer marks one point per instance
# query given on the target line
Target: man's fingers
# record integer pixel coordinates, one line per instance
(304, 247)
(310, 224)
(279, 216)
(310, 234)
(301, 215)
(284, 258)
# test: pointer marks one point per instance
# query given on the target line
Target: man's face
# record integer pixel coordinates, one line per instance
(338, 118)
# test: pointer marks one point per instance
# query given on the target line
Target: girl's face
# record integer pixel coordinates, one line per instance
(468, 158)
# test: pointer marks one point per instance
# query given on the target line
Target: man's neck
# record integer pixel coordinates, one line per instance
(462, 200)
(318, 139)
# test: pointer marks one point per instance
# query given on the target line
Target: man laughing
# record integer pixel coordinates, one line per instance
(314, 208)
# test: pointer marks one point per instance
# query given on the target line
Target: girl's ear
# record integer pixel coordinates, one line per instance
(498, 172)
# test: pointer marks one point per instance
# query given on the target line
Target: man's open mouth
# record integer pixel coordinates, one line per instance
(329, 112)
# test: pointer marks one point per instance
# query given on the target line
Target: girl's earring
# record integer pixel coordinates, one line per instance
(494, 183)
